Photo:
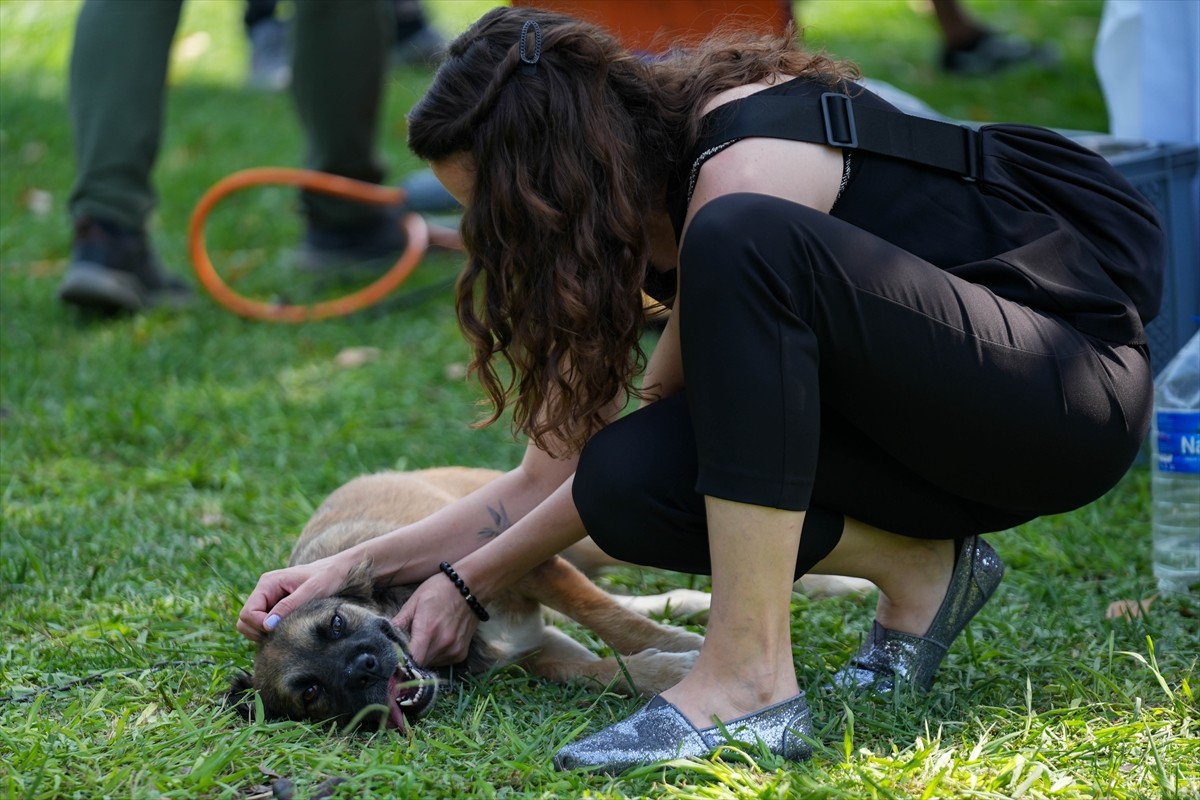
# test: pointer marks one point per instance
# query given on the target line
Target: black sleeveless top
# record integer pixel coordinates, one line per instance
(935, 215)
(983, 236)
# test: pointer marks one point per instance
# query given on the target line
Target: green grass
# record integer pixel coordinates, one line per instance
(151, 468)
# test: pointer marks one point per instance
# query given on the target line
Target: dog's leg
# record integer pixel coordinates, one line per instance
(560, 658)
(832, 585)
(687, 603)
(559, 586)
(587, 556)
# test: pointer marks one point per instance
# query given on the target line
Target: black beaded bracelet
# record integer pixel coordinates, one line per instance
(474, 604)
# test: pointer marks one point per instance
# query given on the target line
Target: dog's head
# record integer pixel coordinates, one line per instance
(338, 658)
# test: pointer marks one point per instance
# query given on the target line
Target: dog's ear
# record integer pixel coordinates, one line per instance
(241, 695)
(358, 584)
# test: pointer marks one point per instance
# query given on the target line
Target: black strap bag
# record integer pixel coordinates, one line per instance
(1085, 212)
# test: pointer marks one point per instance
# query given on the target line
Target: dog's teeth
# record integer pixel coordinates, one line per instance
(413, 699)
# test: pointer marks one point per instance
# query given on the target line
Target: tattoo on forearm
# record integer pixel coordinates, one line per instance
(500, 523)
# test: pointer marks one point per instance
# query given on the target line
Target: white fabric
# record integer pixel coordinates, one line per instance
(1147, 58)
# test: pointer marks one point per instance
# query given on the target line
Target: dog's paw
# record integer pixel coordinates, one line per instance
(654, 671)
(677, 603)
(678, 640)
(816, 586)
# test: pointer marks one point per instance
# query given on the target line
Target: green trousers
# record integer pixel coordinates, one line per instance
(117, 97)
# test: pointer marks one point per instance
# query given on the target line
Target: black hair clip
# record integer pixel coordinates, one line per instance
(528, 62)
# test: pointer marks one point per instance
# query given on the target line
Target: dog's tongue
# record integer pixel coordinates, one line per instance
(395, 715)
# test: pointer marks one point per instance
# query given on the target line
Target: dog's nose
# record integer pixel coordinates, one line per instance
(364, 667)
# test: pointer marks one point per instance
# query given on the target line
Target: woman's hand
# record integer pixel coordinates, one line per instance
(282, 591)
(439, 622)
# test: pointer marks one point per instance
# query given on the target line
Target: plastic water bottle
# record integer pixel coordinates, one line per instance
(1175, 476)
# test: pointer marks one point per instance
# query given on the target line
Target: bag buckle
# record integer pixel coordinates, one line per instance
(839, 120)
(971, 145)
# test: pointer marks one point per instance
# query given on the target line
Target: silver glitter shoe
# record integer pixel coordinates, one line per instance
(659, 732)
(889, 656)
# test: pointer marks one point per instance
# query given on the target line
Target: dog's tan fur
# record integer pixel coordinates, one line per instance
(654, 656)
(657, 655)
(591, 561)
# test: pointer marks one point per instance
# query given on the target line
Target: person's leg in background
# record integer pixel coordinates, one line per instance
(418, 44)
(339, 67)
(971, 48)
(116, 101)
(270, 62)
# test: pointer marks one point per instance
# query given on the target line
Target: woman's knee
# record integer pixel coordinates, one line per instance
(761, 247)
(608, 484)
(636, 475)
(730, 227)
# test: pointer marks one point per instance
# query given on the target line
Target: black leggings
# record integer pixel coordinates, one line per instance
(830, 371)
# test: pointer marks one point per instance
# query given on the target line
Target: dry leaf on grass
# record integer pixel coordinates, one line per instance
(357, 356)
(1129, 609)
(38, 201)
(52, 268)
(192, 46)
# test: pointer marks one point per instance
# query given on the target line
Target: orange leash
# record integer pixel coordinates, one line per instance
(420, 235)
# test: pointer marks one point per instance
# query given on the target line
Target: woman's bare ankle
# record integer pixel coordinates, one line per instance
(701, 697)
(911, 594)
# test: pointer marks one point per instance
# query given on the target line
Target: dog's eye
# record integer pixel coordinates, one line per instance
(336, 625)
(310, 694)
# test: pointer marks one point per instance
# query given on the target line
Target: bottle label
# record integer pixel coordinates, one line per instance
(1178, 441)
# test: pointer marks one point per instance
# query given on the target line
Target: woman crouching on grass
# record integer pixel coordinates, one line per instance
(870, 361)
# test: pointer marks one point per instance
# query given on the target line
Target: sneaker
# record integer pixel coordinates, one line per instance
(993, 52)
(115, 270)
(270, 62)
(375, 245)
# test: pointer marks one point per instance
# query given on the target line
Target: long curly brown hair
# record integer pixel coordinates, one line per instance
(570, 157)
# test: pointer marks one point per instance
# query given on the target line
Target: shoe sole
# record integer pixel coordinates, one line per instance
(95, 287)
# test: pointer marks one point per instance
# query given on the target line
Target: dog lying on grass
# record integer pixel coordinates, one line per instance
(340, 658)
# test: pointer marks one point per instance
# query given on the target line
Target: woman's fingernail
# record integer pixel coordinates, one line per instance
(271, 622)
